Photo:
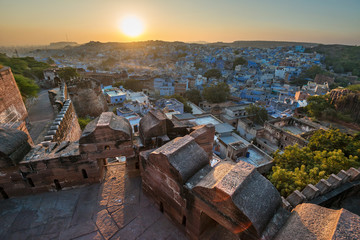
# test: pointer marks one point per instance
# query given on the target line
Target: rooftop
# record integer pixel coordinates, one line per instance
(224, 128)
(233, 138)
(115, 93)
(184, 116)
(206, 120)
(256, 157)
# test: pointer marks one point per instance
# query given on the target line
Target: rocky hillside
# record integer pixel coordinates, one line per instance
(87, 98)
(347, 101)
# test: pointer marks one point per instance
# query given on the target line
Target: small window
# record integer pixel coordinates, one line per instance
(31, 183)
(137, 165)
(184, 221)
(136, 128)
(57, 185)
(107, 147)
(84, 173)
(3, 193)
(161, 207)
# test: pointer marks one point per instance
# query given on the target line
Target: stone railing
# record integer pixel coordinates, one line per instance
(310, 192)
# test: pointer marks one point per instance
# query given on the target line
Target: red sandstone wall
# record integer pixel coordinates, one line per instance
(10, 94)
(67, 170)
(69, 128)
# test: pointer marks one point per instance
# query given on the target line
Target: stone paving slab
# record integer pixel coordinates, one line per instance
(115, 209)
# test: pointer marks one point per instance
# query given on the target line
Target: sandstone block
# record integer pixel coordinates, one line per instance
(344, 176)
(323, 185)
(334, 180)
(286, 205)
(296, 198)
(310, 192)
(354, 174)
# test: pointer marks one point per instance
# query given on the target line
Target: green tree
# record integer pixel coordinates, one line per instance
(320, 106)
(27, 86)
(239, 61)
(216, 93)
(334, 139)
(213, 73)
(260, 113)
(83, 122)
(50, 61)
(327, 152)
(68, 73)
(193, 95)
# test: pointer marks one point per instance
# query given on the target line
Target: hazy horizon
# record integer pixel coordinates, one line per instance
(40, 22)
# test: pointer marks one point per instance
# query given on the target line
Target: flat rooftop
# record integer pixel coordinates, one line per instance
(233, 138)
(224, 128)
(206, 120)
(256, 157)
(293, 129)
(115, 209)
(115, 93)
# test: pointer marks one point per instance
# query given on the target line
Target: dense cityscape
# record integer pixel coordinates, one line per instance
(116, 136)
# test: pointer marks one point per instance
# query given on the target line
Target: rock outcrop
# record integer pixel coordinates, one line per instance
(346, 101)
(87, 98)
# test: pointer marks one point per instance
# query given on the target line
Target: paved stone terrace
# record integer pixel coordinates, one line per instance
(116, 209)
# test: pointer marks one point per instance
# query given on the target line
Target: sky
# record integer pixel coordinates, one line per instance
(39, 22)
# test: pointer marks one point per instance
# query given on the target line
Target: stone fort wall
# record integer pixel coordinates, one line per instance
(65, 126)
(13, 112)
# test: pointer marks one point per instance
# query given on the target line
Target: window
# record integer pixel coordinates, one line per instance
(107, 147)
(31, 183)
(184, 221)
(84, 173)
(137, 165)
(3, 193)
(57, 185)
(161, 207)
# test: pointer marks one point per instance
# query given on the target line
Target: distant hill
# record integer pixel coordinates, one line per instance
(59, 45)
(262, 44)
(341, 58)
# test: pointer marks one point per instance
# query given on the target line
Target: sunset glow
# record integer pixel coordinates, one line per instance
(132, 26)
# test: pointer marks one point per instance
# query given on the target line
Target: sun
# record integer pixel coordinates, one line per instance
(132, 26)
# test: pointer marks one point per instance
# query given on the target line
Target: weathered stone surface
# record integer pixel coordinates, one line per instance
(323, 185)
(344, 176)
(106, 224)
(13, 146)
(334, 180)
(346, 100)
(204, 136)
(88, 98)
(295, 198)
(108, 127)
(285, 204)
(231, 188)
(183, 155)
(310, 222)
(354, 174)
(153, 124)
(310, 192)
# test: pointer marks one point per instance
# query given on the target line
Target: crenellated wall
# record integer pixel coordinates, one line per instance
(323, 187)
(65, 126)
